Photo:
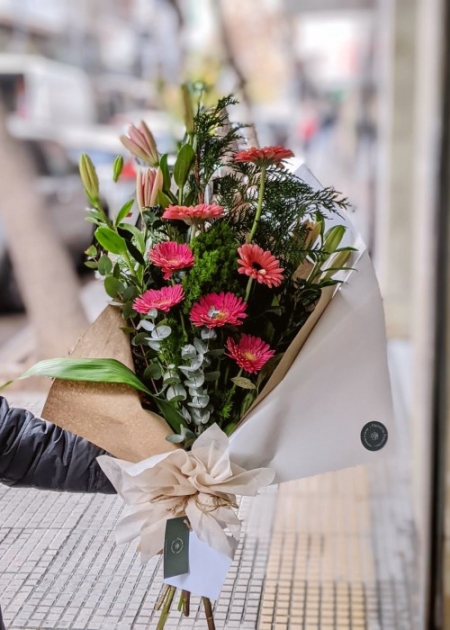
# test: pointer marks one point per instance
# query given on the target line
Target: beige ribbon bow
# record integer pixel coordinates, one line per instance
(201, 484)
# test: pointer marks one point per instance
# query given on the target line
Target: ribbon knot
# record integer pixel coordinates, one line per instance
(201, 484)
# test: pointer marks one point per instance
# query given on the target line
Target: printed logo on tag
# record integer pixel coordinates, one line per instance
(374, 436)
(176, 547)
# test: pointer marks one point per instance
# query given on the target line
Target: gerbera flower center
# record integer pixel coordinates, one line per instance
(249, 355)
(214, 313)
(259, 268)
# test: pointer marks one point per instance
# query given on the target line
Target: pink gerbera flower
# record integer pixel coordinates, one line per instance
(265, 156)
(260, 265)
(171, 256)
(162, 300)
(250, 353)
(193, 214)
(218, 309)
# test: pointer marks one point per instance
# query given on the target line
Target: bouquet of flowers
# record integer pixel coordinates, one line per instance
(194, 375)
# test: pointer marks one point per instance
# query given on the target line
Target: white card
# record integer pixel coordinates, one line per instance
(207, 570)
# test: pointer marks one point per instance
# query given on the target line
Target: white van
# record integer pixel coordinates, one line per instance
(43, 91)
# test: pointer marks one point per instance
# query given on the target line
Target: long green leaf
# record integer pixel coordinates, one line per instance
(88, 370)
(183, 164)
(124, 211)
(170, 414)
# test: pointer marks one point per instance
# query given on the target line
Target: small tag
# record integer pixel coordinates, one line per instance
(176, 547)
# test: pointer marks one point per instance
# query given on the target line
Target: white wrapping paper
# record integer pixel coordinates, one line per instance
(312, 421)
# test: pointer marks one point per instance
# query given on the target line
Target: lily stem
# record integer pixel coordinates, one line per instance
(186, 596)
(209, 613)
(257, 219)
(166, 608)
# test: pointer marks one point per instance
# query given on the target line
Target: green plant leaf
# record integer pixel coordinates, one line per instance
(110, 240)
(183, 164)
(165, 171)
(170, 414)
(333, 238)
(162, 199)
(134, 251)
(136, 232)
(91, 251)
(113, 286)
(124, 210)
(243, 382)
(91, 264)
(87, 370)
(105, 265)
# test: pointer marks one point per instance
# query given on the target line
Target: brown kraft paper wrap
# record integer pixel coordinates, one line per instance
(109, 415)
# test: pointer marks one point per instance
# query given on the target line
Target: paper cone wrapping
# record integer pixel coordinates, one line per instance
(311, 422)
(109, 415)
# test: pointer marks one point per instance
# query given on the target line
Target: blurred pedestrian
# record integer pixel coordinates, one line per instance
(35, 453)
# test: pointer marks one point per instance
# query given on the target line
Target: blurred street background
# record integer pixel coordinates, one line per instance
(356, 89)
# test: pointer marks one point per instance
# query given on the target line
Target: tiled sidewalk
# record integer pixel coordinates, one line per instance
(331, 552)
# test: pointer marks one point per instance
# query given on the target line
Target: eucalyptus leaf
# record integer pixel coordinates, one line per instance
(130, 293)
(152, 371)
(161, 332)
(188, 352)
(105, 265)
(113, 286)
(146, 325)
(200, 346)
(139, 339)
(195, 381)
(176, 393)
(208, 333)
(199, 402)
(91, 251)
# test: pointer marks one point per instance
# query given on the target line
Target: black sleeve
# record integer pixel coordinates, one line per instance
(36, 453)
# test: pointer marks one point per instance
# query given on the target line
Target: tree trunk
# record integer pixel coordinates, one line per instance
(45, 275)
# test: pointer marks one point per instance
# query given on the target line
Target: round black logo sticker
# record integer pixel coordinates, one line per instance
(374, 436)
(177, 546)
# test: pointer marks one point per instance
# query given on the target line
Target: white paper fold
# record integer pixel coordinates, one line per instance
(207, 570)
(311, 422)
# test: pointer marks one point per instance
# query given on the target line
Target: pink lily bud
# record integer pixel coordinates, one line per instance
(148, 184)
(141, 143)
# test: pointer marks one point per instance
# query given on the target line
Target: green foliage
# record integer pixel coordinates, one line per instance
(215, 140)
(215, 267)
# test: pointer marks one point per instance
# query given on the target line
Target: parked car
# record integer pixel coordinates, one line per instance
(59, 185)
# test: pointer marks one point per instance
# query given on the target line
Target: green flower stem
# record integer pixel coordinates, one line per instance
(183, 325)
(248, 289)
(166, 608)
(262, 186)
